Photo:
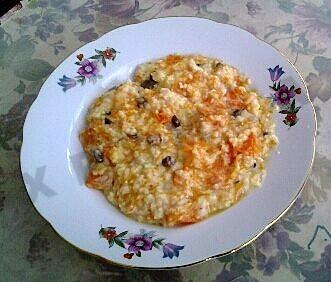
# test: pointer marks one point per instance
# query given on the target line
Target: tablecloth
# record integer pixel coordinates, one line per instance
(36, 39)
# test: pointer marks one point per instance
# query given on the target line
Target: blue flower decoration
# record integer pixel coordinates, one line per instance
(171, 250)
(275, 73)
(67, 83)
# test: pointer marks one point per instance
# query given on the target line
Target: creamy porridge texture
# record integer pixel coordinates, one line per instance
(185, 139)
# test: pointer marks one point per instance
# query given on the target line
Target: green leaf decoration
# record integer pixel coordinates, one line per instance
(294, 266)
(119, 242)
(122, 234)
(20, 88)
(157, 243)
(241, 267)
(226, 259)
(292, 106)
(34, 70)
(290, 226)
(301, 218)
(19, 52)
(302, 40)
(101, 232)
(303, 255)
(307, 209)
(321, 275)
(81, 80)
(285, 112)
(3, 51)
(294, 247)
(111, 242)
(2, 33)
(282, 257)
(282, 29)
(286, 5)
(96, 57)
(138, 254)
(310, 266)
(103, 61)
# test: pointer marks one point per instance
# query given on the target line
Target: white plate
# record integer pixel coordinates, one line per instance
(54, 166)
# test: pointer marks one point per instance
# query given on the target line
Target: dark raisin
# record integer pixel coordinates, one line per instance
(175, 121)
(141, 102)
(236, 182)
(154, 139)
(132, 136)
(236, 113)
(168, 161)
(254, 165)
(108, 121)
(108, 113)
(265, 133)
(149, 83)
(198, 65)
(98, 155)
(218, 65)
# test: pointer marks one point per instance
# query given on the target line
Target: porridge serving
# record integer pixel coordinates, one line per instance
(185, 139)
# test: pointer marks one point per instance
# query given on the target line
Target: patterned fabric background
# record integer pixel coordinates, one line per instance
(44, 32)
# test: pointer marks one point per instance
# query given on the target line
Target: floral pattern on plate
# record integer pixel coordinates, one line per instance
(136, 243)
(88, 68)
(284, 96)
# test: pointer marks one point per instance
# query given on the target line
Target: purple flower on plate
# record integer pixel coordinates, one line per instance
(139, 243)
(297, 205)
(118, 8)
(67, 83)
(270, 266)
(283, 95)
(326, 257)
(171, 250)
(88, 69)
(275, 73)
(265, 242)
(275, 229)
(283, 240)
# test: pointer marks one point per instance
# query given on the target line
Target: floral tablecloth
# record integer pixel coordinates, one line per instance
(38, 37)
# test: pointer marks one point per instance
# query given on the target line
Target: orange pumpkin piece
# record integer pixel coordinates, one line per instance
(250, 146)
(234, 98)
(162, 117)
(173, 59)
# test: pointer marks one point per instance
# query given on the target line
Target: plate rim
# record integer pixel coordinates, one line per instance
(243, 244)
